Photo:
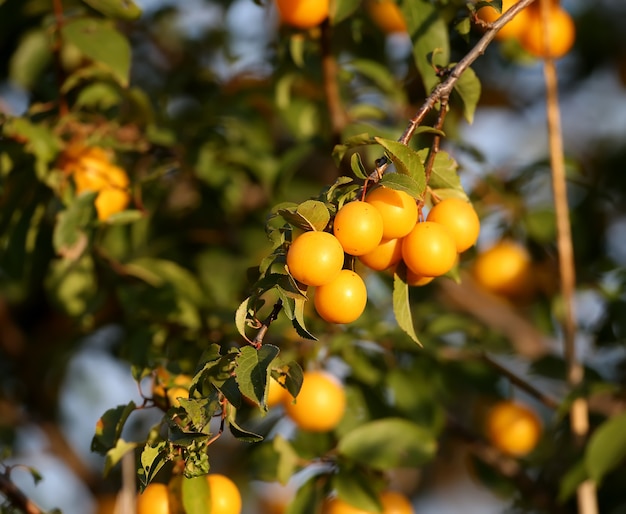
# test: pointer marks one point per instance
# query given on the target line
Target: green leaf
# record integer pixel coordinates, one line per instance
(403, 183)
(98, 96)
(315, 213)
(122, 9)
(70, 237)
(356, 488)
(30, 59)
(298, 319)
(109, 427)
(152, 459)
(114, 455)
(429, 34)
(293, 377)
(444, 174)
(607, 448)
(570, 481)
(288, 459)
(402, 305)
(103, 44)
(388, 443)
(342, 9)
(252, 365)
(407, 162)
(468, 87)
(359, 140)
(242, 434)
(195, 495)
(357, 166)
(308, 496)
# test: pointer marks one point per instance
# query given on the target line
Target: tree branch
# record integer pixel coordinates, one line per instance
(16, 497)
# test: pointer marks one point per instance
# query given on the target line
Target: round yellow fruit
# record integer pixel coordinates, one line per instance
(154, 499)
(397, 209)
(315, 258)
(359, 227)
(343, 300)
(504, 269)
(225, 495)
(461, 220)
(385, 255)
(513, 428)
(514, 28)
(562, 33)
(303, 14)
(386, 15)
(429, 250)
(320, 404)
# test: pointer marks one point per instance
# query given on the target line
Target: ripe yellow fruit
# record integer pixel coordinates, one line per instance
(429, 250)
(225, 495)
(461, 220)
(315, 258)
(343, 300)
(359, 227)
(154, 500)
(504, 269)
(514, 28)
(303, 14)
(513, 428)
(320, 404)
(416, 280)
(395, 503)
(385, 255)
(562, 33)
(110, 201)
(387, 15)
(397, 209)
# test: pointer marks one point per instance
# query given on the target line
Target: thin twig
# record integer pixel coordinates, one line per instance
(16, 497)
(442, 91)
(434, 147)
(518, 381)
(579, 415)
(58, 43)
(265, 325)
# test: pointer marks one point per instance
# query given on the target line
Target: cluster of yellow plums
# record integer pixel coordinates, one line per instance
(92, 169)
(381, 231)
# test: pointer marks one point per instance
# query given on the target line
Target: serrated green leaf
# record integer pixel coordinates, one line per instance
(298, 319)
(403, 183)
(607, 448)
(293, 376)
(109, 427)
(122, 9)
(444, 174)
(252, 365)
(407, 162)
(241, 316)
(429, 34)
(102, 43)
(388, 443)
(195, 495)
(401, 304)
(468, 87)
(315, 213)
(242, 434)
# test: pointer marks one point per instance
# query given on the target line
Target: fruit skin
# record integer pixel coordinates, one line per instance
(320, 404)
(397, 209)
(315, 258)
(416, 280)
(385, 255)
(154, 499)
(562, 33)
(392, 503)
(504, 269)
(429, 250)
(359, 227)
(461, 220)
(395, 503)
(303, 14)
(343, 300)
(386, 15)
(514, 28)
(225, 495)
(513, 428)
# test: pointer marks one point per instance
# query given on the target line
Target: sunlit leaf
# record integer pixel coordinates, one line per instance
(123, 9)
(607, 448)
(252, 367)
(468, 88)
(402, 305)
